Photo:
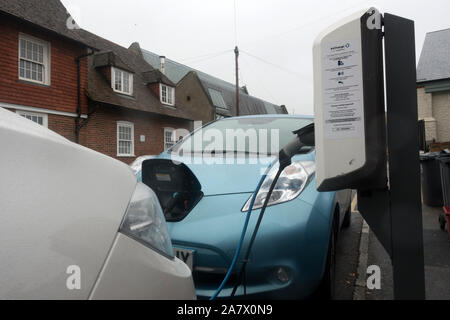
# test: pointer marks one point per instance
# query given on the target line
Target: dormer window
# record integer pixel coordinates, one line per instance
(217, 98)
(167, 94)
(121, 81)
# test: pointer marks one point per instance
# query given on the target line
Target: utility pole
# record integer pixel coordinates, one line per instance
(236, 53)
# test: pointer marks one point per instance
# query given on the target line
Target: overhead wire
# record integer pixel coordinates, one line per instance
(275, 65)
(247, 63)
(212, 56)
(302, 26)
(206, 56)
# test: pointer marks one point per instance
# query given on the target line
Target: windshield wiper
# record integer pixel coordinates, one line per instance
(235, 152)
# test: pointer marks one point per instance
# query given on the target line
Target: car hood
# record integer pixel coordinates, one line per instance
(242, 176)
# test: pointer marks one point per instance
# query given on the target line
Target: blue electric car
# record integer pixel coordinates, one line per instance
(205, 183)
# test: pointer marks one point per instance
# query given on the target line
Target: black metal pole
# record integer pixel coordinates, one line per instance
(404, 167)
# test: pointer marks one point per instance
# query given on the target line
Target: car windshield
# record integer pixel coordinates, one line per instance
(250, 135)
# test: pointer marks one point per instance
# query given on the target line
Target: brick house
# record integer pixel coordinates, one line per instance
(38, 64)
(433, 86)
(132, 107)
(86, 88)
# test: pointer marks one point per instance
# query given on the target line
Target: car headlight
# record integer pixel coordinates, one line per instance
(144, 221)
(290, 184)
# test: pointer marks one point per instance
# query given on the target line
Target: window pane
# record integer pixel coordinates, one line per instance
(40, 72)
(22, 68)
(34, 71)
(23, 48)
(169, 95)
(163, 93)
(27, 69)
(35, 52)
(41, 54)
(29, 50)
(118, 80)
(126, 83)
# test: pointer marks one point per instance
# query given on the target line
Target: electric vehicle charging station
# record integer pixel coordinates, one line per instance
(354, 137)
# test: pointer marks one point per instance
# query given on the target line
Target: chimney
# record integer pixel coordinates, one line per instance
(162, 60)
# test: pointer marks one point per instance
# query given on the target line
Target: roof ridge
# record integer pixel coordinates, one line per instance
(104, 39)
(435, 31)
(191, 68)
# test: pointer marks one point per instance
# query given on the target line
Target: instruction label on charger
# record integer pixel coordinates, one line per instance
(342, 90)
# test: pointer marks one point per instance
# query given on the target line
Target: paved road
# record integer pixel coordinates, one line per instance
(347, 259)
(437, 260)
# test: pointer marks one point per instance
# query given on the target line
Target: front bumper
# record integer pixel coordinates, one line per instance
(293, 236)
(134, 271)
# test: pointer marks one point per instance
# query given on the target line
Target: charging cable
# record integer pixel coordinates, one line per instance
(244, 230)
(252, 240)
(305, 137)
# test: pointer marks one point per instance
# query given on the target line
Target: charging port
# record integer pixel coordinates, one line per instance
(176, 186)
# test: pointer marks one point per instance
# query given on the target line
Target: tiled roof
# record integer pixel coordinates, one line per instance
(434, 62)
(48, 14)
(247, 104)
(143, 99)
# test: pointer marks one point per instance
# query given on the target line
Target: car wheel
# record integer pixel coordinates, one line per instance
(347, 219)
(327, 285)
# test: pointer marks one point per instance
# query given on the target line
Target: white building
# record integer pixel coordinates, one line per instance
(433, 85)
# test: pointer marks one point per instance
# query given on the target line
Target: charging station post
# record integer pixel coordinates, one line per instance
(350, 118)
(404, 167)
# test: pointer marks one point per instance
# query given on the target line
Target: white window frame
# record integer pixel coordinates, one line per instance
(45, 61)
(34, 114)
(131, 126)
(123, 74)
(172, 131)
(166, 101)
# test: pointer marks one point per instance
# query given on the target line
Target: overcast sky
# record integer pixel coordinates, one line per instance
(275, 36)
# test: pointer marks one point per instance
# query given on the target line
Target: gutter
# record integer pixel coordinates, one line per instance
(78, 124)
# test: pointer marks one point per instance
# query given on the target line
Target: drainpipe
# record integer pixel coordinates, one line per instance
(79, 125)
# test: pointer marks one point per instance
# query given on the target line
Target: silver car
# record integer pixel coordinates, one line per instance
(76, 224)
